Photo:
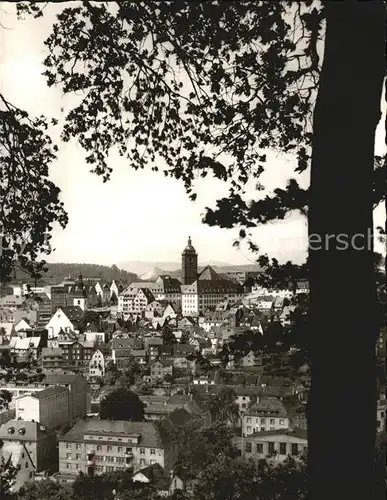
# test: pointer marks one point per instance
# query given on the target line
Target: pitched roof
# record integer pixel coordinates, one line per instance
(269, 405)
(59, 378)
(127, 343)
(24, 343)
(170, 285)
(74, 313)
(149, 436)
(297, 433)
(50, 391)
(23, 430)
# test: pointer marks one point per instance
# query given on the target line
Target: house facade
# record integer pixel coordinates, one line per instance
(49, 407)
(99, 446)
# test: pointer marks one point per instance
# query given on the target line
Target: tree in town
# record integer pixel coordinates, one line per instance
(5, 399)
(223, 407)
(251, 74)
(233, 478)
(122, 404)
(8, 473)
(46, 490)
(200, 446)
(29, 201)
(168, 336)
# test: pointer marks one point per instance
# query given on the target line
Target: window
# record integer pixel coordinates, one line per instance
(248, 420)
(99, 447)
(119, 449)
(282, 421)
(77, 466)
(248, 447)
(153, 451)
(78, 456)
(270, 447)
(142, 461)
(109, 448)
(68, 466)
(272, 421)
(142, 451)
(294, 449)
(263, 421)
(68, 446)
(282, 448)
(26, 465)
(68, 455)
(78, 446)
(260, 448)
(248, 429)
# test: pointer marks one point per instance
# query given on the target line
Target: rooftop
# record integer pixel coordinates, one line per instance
(149, 436)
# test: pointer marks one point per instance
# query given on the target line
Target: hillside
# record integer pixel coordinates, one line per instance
(57, 272)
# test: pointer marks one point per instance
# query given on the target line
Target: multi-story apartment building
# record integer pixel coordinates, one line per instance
(207, 292)
(266, 414)
(277, 444)
(75, 383)
(99, 446)
(32, 443)
(134, 300)
(52, 358)
(49, 407)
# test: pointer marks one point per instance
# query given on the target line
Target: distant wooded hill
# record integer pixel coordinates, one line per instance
(57, 272)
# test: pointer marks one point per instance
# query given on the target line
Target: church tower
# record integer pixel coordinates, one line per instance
(189, 264)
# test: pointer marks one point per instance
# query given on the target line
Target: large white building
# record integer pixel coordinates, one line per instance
(207, 292)
(134, 300)
(49, 407)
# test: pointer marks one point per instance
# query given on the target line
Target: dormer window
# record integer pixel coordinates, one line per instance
(22, 431)
(11, 430)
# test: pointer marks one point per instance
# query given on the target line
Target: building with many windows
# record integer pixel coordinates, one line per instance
(49, 407)
(99, 446)
(29, 445)
(207, 292)
(267, 414)
(277, 444)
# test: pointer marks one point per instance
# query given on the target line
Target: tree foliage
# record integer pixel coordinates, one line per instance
(234, 478)
(223, 408)
(29, 201)
(122, 404)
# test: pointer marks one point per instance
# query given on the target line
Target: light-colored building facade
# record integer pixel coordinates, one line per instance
(97, 364)
(276, 445)
(99, 446)
(65, 319)
(49, 407)
(75, 383)
(267, 414)
(31, 445)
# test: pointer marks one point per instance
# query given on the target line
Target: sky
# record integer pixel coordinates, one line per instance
(137, 215)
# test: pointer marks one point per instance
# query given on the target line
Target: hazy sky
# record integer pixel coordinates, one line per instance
(137, 215)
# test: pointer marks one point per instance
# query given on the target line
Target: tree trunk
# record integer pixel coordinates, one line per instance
(342, 403)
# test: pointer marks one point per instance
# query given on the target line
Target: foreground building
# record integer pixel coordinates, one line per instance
(30, 447)
(277, 444)
(98, 446)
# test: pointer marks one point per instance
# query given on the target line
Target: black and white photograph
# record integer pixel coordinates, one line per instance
(193, 249)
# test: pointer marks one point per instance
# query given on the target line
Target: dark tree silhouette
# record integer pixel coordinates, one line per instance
(122, 404)
(29, 201)
(251, 71)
